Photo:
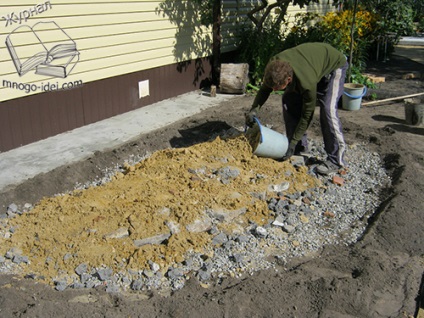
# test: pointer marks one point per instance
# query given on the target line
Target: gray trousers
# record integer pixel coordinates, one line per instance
(329, 91)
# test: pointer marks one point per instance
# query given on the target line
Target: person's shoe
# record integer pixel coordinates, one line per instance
(327, 167)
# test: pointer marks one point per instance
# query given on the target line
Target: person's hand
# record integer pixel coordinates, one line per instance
(250, 117)
(289, 153)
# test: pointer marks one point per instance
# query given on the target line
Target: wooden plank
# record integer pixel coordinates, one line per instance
(391, 99)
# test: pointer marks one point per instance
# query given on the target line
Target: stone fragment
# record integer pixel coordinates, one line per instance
(259, 195)
(221, 238)
(154, 240)
(261, 232)
(117, 234)
(154, 266)
(225, 215)
(284, 186)
(279, 221)
(13, 208)
(297, 161)
(304, 219)
(238, 258)
(226, 174)
(148, 273)
(173, 226)
(175, 273)
(242, 239)
(289, 228)
(204, 274)
(18, 259)
(137, 284)
(280, 207)
(295, 243)
(329, 214)
(200, 225)
(338, 180)
(81, 269)
(105, 273)
(306, 200)
(297, 202)
(2, 259)
(61, 285)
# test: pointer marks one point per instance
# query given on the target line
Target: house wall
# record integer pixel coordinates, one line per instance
(121, 44)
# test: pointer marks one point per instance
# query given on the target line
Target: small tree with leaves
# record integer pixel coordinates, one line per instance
(259, 14)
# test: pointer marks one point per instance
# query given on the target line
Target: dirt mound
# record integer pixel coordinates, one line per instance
(164, 198)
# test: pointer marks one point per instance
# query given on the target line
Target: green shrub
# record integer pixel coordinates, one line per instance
(258, 47)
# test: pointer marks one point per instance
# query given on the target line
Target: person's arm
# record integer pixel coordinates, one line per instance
(260, 99)
(308, 108)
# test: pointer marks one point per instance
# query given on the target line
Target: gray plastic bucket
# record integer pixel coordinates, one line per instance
(269, 143)
(352, 96)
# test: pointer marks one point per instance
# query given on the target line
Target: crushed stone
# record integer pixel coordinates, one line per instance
(209, 211)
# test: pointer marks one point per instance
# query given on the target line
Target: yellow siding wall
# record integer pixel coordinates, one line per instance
(113, 37)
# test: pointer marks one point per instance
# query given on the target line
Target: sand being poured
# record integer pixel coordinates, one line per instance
(169, 200)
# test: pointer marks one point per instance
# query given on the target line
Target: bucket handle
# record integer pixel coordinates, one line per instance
(356, 97)
(260, 128)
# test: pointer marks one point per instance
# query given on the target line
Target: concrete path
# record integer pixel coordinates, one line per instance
(20, 164)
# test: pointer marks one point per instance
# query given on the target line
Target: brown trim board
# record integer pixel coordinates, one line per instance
(29, 119)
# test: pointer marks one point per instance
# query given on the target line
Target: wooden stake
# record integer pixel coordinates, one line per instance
(213, 91)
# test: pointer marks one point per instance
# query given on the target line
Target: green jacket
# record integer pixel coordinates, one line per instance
(310, 63)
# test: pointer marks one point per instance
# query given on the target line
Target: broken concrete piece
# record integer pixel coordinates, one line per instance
(284, 186)
(154, 240)
(279, 221)
(119, 233)
(200, 225)
(225, 215)
(297, 161)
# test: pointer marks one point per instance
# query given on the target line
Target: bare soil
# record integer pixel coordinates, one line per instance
(379, 276)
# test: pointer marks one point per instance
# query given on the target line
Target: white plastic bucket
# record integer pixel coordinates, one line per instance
(352, 96)
(271, 143)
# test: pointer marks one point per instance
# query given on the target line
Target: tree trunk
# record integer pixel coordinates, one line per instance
(414, 112)
(234, 78)
(216, 41)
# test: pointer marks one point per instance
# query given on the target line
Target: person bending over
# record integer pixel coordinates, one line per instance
(309, 74)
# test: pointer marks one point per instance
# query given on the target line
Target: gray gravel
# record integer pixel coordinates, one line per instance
(300, 225)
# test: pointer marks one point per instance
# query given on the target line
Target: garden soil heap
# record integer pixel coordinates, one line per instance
(157, 210)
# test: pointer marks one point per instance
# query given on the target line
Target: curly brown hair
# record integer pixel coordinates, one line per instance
(277, 72)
